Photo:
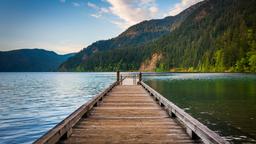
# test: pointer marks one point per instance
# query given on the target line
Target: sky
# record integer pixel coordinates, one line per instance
(67, 26)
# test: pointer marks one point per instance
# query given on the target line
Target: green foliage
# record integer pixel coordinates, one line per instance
(241, 65)
(252, 62)
(161, 68)
(219, 61)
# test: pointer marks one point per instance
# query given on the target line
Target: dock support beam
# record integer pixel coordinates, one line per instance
(192, 134)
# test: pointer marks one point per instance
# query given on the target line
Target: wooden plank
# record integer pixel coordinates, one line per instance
(128, 98)
(128, 131)
(124, 104)
(144, 139)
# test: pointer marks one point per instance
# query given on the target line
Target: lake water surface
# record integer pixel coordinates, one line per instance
(32, 103)
(226, 103)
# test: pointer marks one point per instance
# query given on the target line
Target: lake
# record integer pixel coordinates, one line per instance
(33, 103)
(226, 103)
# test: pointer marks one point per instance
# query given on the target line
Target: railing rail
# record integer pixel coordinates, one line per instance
(64, 128)
(193, 127)
(135, 76)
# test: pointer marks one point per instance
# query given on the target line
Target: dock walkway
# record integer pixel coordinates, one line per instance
(129, 111)
(128, 115)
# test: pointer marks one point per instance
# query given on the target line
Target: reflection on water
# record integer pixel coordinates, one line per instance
(226, 103)
(32, 103)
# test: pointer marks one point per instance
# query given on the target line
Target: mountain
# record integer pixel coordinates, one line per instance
(212, 36)
(134, 36)
(31, 60)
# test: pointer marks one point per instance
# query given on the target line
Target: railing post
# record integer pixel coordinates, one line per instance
(135, 79)
(140, 77)
(117, 76)
(121, 78)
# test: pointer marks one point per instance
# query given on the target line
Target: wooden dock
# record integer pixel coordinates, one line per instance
(128, 112)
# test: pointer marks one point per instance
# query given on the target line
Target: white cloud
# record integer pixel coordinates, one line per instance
(104, 10)
(75, 4)
(153, 9)
(99, 10)
(132, 11)
(62, 1)
(92, 5)
(184, 4)
(96, 15)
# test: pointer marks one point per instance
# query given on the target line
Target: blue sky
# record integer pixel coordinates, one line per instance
(66, 26)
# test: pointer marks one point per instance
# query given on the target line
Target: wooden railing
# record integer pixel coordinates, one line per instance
(194, 128)
(136, 77)
(64, 129)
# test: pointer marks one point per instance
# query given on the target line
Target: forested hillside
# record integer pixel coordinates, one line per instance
(134, 37)
(215, 36)
(219, 36)
(31, 60)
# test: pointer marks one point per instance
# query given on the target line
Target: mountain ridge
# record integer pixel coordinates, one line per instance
(31, 60)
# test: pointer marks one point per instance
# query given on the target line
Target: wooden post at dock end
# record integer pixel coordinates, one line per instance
(118, 76)
(121, 78)
(140, 77)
